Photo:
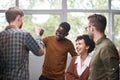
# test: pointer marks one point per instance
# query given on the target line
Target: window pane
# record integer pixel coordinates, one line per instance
(115, 4)
(3, 22)
(87, 4)
(117, 30)
(48, 22)
(40, 4)
(5, 4)
(78, 23)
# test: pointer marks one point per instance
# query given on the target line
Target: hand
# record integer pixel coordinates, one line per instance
(39, 31)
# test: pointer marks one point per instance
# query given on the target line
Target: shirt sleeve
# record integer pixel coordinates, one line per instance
(40, 42)
(33, 45)
(70, 73)
(111, 62)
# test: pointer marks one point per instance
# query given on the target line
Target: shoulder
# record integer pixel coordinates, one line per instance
(68, 41)
(14, 31)
(108, 47)
(107, 41)
(22, 31)
(107, 44)
(48, 37)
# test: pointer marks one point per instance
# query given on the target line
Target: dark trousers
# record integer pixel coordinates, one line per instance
(43, 78)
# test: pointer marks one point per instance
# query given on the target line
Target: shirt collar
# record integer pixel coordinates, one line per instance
(10, 26)
(86, 62)
(101, 39)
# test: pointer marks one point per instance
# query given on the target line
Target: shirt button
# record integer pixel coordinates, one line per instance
(113, 69)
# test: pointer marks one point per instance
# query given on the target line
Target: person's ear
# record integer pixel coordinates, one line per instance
(17, 18)
(87, 47)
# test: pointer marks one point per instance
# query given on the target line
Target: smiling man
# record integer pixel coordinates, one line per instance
(57, 49)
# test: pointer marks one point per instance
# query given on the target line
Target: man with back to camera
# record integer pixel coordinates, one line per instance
(105, 61)
(57, 48)
(15, 45)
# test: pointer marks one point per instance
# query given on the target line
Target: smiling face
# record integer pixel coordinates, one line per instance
(60, 33)
(81, 47)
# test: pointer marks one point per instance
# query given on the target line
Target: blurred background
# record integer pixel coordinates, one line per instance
(48, 14)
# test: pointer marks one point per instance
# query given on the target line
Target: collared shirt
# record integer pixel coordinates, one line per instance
(104, 64)
(14, 54)
(81, 67)
(72, 71)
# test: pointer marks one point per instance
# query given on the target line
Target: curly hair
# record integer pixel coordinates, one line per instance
(89, 42)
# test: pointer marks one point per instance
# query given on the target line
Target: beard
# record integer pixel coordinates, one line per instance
(21, 25)
(91, 36)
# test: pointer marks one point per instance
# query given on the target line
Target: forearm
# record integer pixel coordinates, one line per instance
(34, 45)
(40, 42)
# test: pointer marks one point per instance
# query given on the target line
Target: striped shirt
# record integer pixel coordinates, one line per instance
(14, 53)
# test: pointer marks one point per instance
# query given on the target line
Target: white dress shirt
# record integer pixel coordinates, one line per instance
(81, 67)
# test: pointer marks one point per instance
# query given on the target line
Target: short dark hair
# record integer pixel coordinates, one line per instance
(89, 42)
(99, 21)
(12, 13)
(65, 25)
